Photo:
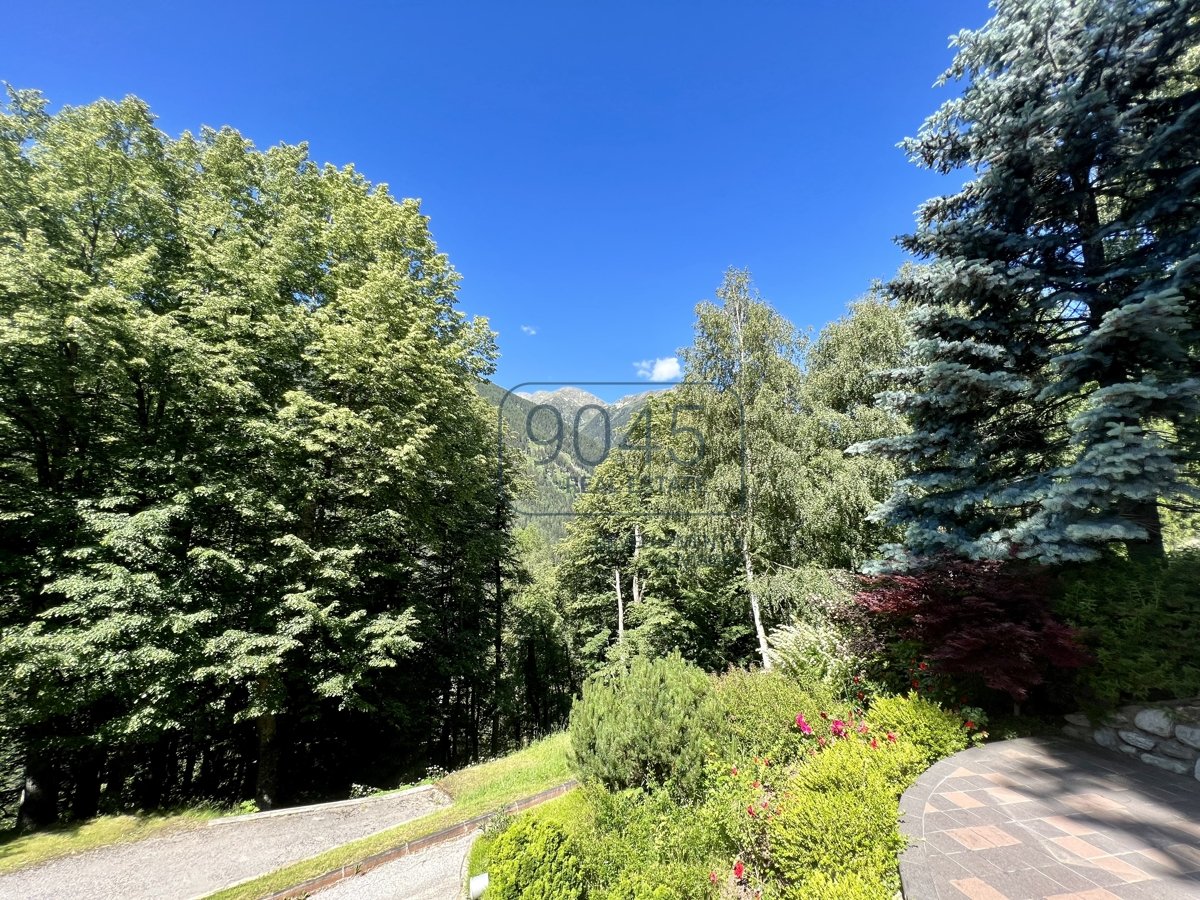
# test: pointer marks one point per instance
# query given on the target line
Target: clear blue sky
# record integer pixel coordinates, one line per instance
(591, 169)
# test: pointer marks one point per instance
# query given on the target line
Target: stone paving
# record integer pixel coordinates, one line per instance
(1050, 819)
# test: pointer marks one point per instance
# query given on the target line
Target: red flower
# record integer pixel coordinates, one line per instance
(733, 771)
(824, 715)
(837, 728)
(750, 810)
(916, 683)
(755, 785)
(861, 695)
(874, 744)
(891, 737)
(738, 870)
(857, 679)
(923, 666)
(969, 725)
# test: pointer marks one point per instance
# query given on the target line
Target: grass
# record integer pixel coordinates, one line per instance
(18, 851)
(567, 811)
(474, 791)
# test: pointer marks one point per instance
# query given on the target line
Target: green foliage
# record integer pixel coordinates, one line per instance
(835, 832)
(650, 726)
(1138, 621)
(535, 859)
(933, 731)
(868, 884)
(1052, 386)
(247, 482)
(758, 714)
(814, 656)
(854, 765)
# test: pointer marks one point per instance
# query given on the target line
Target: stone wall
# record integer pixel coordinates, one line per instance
(1165, 735)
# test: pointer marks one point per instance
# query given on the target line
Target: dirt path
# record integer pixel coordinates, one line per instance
(194, 862)
(432, 874)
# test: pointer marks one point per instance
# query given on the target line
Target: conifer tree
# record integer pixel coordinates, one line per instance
(1054, 391)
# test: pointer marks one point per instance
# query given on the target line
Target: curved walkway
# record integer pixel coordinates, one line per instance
(1049, 818)
(194, 862)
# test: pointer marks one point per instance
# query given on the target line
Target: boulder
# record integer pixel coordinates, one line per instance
(1188, 734)
(1136, 738)
(1198, 770)
(1107, 738)
(1178, 766)
(1177, 750)
(1155, 721)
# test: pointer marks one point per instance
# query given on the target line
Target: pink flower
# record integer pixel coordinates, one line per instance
(750, 810)
(739, 870)
(874, 743)
(712, 876)
(837, 728)
(733, 771)
(863, 728)
(803, 725)
(821, 741)
(891, 737)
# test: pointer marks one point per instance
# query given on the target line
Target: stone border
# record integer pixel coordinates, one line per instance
(319, 807)
(916, 879)
(1164, 735)
(333, 876)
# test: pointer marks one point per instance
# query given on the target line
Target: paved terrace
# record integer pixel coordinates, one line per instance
(1049, 818)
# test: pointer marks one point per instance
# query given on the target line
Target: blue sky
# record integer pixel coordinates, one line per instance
(591, 169)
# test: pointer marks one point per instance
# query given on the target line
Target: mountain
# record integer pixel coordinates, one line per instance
(557, 462)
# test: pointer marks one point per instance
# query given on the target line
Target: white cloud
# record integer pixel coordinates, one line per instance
(663, 369)
(529, 330)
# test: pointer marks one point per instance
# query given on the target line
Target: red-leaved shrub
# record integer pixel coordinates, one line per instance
(985, 618)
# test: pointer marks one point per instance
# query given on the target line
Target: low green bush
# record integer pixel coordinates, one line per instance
(649, 727)
(758, 714)
(888, 767)
(536, 860)
(836, 833)
(934, 731)
(1138, 622)
(858, 885)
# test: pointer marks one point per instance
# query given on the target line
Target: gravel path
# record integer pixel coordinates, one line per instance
(432, 874)
(194, 862)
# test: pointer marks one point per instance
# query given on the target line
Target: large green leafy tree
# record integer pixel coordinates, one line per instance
(248, 487)
(1054, 392)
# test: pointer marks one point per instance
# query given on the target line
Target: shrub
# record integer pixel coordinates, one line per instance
(933, 731)
(813, 656)
(651, 726)
(758, 714)
(1138, 621)
(870, 884)
(537, 860)
(888, 767)
(988, 619)
(836, 833)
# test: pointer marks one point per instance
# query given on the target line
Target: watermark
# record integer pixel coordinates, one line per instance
(675, 449)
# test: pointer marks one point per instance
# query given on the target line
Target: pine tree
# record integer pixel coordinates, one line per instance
(1054, 391)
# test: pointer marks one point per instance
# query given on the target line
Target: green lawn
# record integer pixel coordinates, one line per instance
(476, 790)
(18, 851)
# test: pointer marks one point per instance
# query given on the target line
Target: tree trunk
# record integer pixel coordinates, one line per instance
(755, 612)
(637, 551)
(620, 605)
(267, 774)
(1147, 516)
(39, 796)
(86, 773)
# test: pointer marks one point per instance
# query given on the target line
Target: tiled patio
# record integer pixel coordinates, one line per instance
(1049, 818)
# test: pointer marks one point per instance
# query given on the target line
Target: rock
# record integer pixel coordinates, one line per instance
(1198, 770)
(1136, 738)
(1155, 721)
(1080, 734)
(1078, 718)
(1127, 748)
(1177, 750)
(1188, 734)
(1118, 720)
(1189, 713)
(1178, 766)
(1107, 737)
